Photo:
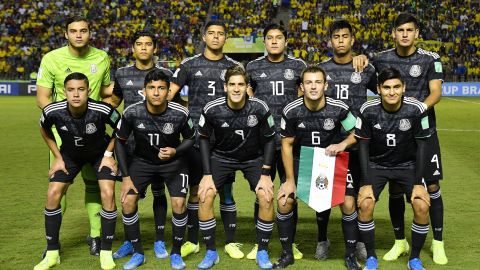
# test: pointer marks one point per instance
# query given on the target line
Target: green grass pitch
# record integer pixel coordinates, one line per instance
(23, 185)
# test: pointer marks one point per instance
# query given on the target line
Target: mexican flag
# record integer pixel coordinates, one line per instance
(321, 178)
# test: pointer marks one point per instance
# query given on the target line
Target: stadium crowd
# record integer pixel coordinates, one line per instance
(31, 29)
(449, 27)
(244, 18)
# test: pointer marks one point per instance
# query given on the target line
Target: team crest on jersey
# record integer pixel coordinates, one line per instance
(415, 71)
(222, 75)
(90, 128)
(201, 121)
(328, 124)
(93, 68)
(252, 121)
(321, 182)
(404, 125)
(356, 78)
(167, 128)
(289, 74)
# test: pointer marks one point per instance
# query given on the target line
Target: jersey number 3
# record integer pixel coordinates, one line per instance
(211, 87)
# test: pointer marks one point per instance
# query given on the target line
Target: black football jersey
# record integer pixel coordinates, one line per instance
(83, 137)
(205, 80)
(129, 83)
(238, 134)
(152, 132)
(392, 134)
(276, 84)
(347, 85)
(315, 128)
(417, 70)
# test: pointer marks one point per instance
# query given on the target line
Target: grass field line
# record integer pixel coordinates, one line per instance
(461, 100)
(458, 130)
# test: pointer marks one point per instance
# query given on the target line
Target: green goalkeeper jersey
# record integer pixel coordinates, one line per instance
(57, 64)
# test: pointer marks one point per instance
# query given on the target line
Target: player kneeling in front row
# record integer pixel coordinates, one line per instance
(156, 126)
(243, 129)
(81, 124)
(315, 121)
(392, 130)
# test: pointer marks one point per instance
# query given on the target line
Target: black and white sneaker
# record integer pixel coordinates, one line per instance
(285, 260)
(351, 262)
(94, 244)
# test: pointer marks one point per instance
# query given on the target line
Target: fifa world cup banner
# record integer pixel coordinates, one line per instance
(321, 178)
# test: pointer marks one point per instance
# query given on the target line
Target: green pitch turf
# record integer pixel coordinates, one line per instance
(23, 185)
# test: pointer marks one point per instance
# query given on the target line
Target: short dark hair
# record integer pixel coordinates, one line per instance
(314, 69)
(404, 18)
(340, 24)
(214, 22)
(76, 18)
(144, 33)
(235, 70)
(76, 76)
(156, 75)
(389, 74)
(275, 26)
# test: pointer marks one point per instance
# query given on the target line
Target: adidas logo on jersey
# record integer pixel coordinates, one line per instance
(377, 126)
(141, 126)
(198, 74)
(130, 82)
(329, 78)
(436, 172)
(263, 75)
(225, 124)
(64, 128)
(349, 185)
(184, 190)
(301, 125)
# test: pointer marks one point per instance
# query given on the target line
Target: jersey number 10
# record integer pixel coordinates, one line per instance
(277, 88)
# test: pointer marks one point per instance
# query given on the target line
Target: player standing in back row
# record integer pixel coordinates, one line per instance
(423, 75)
(275, 79)
(204, 74)
(349, 86)
(77, 56)
(128, 86)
